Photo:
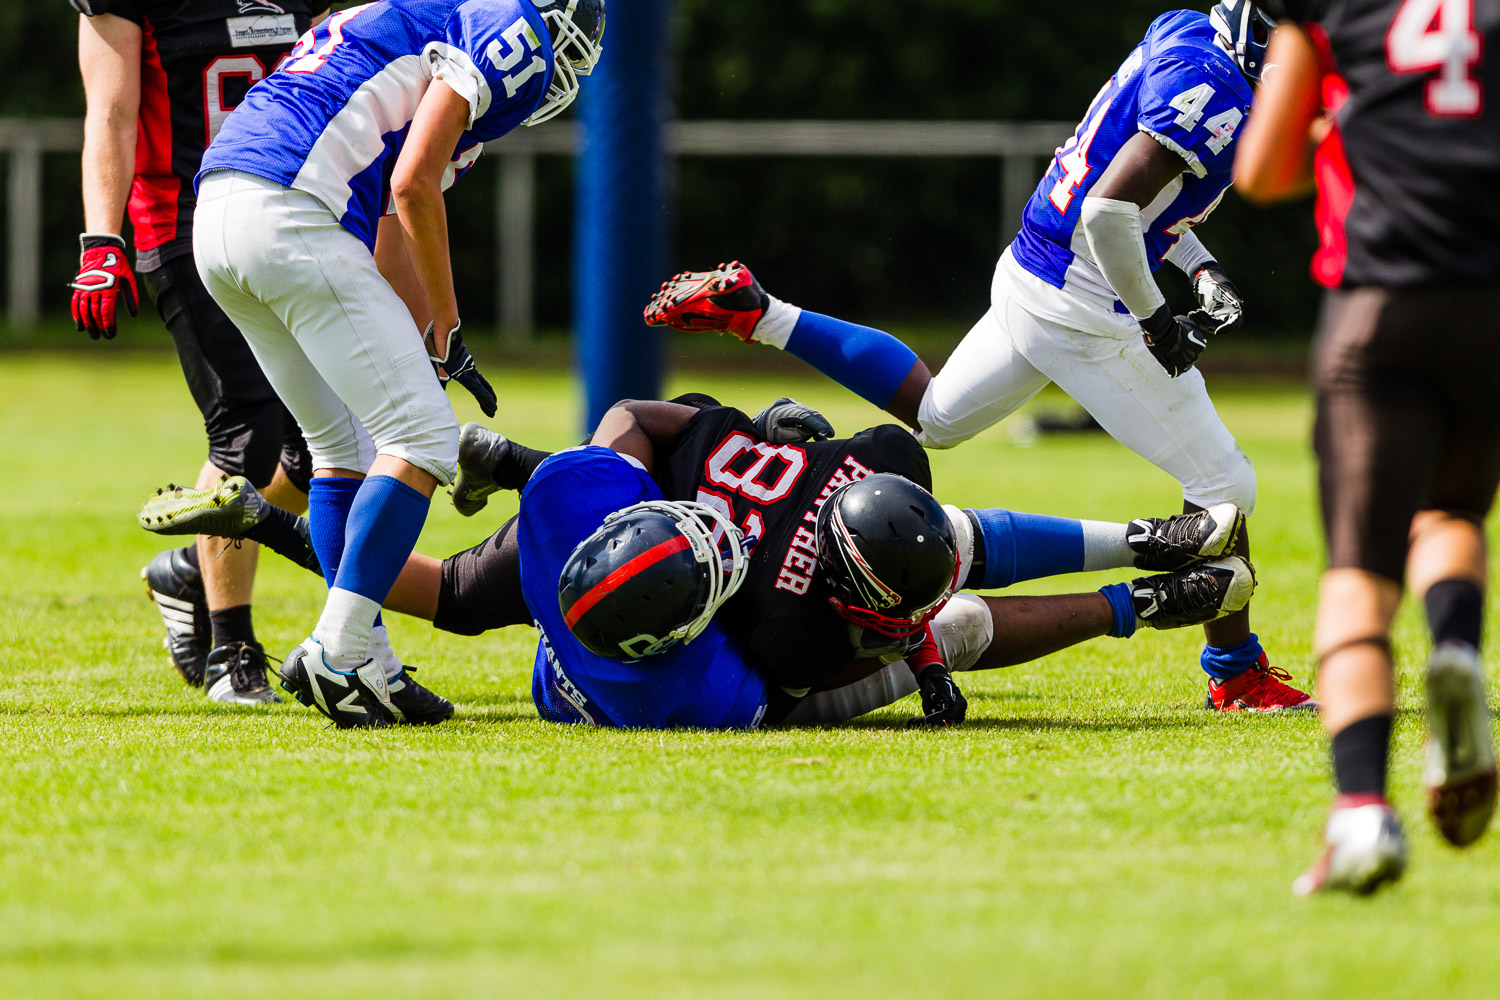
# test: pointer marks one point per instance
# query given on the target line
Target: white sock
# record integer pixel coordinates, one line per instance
(1104, 546)
(382, 653)
(776, 325)
(344, 629)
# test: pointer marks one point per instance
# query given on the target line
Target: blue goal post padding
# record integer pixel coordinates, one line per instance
(620, 207)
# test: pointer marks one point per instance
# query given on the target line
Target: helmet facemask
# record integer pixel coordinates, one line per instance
(575, 51)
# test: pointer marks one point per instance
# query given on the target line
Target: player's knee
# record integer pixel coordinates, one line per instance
(1230, 481)
(939, 425)
(963, 630)
(430, 444)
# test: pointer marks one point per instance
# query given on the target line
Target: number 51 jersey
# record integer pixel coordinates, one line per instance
(333, 119)
(1188, 94)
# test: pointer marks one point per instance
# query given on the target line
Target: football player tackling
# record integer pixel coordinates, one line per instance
(1074, 300)
(1403, 98)
(321, 231)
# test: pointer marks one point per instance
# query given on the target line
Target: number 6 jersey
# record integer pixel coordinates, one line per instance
(333, 119)
(1179, 87)
(198, 59)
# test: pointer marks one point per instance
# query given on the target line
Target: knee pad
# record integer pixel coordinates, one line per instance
(964, 629)
(1231, 480)
(245, 439)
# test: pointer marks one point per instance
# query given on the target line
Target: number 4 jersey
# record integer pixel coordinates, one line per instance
(1184, 91)
(333, 119)
(198, 60)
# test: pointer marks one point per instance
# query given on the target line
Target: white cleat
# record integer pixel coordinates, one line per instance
(1366, 848)
(1460, 773)
(1173, 543)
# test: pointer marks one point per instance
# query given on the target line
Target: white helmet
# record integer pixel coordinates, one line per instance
(576, 27)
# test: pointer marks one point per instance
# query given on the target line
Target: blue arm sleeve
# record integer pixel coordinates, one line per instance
(1027, 546)
(868, 362)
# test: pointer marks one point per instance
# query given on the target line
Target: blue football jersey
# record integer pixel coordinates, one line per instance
(331, 120)
(1177, 86)
(706, 683)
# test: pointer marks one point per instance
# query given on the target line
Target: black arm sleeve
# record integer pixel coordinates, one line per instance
(131, 10)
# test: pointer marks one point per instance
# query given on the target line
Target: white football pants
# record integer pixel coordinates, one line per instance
(1011, 354)
(335, 340)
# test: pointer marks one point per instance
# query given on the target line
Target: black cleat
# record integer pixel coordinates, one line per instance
(487, 463)
(1194, 596)
(1171, 543)
(414, 704)
(236, 675)
(176, 587)
(352, 700)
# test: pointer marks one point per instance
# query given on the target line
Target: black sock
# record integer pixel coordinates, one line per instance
(285, 534)
(1360, 753)
(1455, 611)
(190, 553)
(515, 467)
(232, 625)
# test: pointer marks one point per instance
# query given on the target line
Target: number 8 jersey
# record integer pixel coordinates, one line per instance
(332, 120)
(1183, 90)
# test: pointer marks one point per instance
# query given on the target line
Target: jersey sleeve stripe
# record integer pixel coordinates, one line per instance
(1187, 154)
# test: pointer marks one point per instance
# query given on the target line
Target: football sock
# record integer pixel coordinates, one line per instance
(868, 362)
(1360, 752)
(1455, 611)
(382, 653)
(384, 522)
(190, 553)
(1013, 546)
(283, 533)
(1122, 603)
(328, 501)
(1224, 663)
(515, 467)
(232, 625)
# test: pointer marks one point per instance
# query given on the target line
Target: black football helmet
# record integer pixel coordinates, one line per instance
(577, 29)
(887, 553)
(653, 574)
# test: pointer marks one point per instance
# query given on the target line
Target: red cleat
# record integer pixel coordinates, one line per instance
(727, 299)
(1262, 688)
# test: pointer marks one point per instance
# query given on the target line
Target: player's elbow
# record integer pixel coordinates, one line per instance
(412, 187)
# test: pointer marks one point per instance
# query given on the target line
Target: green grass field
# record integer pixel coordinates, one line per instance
(1089, 832)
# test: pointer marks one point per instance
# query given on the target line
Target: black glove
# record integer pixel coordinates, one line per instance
(457, 364)
(943, 704)
(1175, 341)
(1222, 306)
(787, 421)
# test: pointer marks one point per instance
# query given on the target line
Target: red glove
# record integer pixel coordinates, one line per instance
(103, 273)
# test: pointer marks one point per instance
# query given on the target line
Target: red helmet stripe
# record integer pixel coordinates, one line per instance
(609, 584)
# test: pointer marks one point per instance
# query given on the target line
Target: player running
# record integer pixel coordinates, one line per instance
(824, 641)
(1074, 300)
(160, 76)
(1407, 434)
(321, 232)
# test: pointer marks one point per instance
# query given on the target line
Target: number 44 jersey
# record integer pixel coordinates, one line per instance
(1188, 94)
(333, 119)
(198, 60)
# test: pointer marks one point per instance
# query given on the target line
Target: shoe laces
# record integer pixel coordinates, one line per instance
(246, 674)
(1272, 683)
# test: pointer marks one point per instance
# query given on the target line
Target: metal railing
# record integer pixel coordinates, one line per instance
(1017, 145)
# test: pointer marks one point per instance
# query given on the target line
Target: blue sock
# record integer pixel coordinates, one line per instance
(1122, 603)
(1026, 546)
(1224, 663)
(328, 501)
(865, 361)
(384, 522)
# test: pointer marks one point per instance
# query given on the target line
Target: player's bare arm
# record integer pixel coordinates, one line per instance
(109, 58)
(637, 427)
(1274, 162)
(394, 261)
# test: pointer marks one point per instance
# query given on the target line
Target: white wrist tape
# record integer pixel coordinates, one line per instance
(1189, 254)
(1116, 240)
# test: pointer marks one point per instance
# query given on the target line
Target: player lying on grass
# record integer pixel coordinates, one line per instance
(812, 603)
(1075, 301)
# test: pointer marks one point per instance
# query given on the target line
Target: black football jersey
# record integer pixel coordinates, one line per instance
(198, 60)
(1410, 180)
(774, 491)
